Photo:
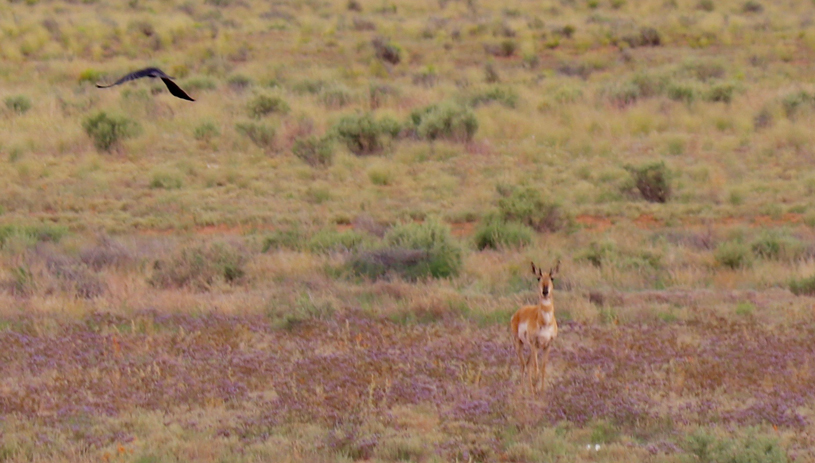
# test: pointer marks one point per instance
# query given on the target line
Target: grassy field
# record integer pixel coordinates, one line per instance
(317, 259)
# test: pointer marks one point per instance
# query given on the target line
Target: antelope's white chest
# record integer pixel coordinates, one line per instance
(543, 334)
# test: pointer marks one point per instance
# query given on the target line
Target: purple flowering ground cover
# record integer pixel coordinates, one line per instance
(363, 388)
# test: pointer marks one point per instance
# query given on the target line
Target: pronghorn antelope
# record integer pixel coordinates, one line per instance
(535, 325)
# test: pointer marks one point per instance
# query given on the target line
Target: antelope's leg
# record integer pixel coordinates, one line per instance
(533, 377)
(545, 362)
(519, 348)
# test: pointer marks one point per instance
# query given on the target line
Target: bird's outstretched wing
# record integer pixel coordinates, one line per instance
(146, 72)
(175, 90)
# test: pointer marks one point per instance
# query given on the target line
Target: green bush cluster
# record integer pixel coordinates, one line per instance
(445, 121)
(496, 233)
(201, 266)
(263, 105)
(19, 104)
(652, 181)
(527, 205)
(505, 96)
(314, 151)
(262, 135)
(108, 132)
(411, 251)
(364, 135)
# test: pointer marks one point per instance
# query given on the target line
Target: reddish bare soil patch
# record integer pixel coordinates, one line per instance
(647, 221)
(593, 222)
(462, 229)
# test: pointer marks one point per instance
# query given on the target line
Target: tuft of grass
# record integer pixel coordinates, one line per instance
(706, 447)
(108, 132)
(329, 240)
(32, 234)
(365, 135)
(263, 105)
(447, 121)
(387, 50)
(411, 251)
(652, 181)
(314, 151)
(527, 205)
(19, 104)
(336, 96)
(90, 76)
(283, 239)
(239, 82)
(752, 6)
(262, 135)
(733, 254)
(166, 181)
(803, 286)
(777, 245)
(206, 132)
(506, 96)
(496, 233)
(201, 266)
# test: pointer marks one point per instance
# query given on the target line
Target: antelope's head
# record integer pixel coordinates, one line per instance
(546, 281)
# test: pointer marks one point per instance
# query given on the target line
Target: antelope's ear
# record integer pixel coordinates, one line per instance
(536, 270)
(553, 271)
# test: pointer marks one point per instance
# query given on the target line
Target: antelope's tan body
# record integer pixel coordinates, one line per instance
(534, 327)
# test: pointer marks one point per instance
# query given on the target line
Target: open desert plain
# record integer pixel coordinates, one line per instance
(317, 259)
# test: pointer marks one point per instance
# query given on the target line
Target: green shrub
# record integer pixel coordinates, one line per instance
(733, 254)
(200, 267)
(686, 92)
(108, 131)
(706, 447)
(32, 234)
(263, 105)
(496, 233)
(386, 50)
(239, 82)
(412, 251)
(283, 239)
(794, 102)
(447, 121)
(314, 151)
(642, 85)
(206, 132)
(334, 241)
(768, 246)
(197, 84)
(721, 92)
(309, 86)
(803, 286)
(652, 181)
(504, 95)
(491, 75)
(19, 104)
(336, 96)
(598, 253)
(261, 135)
(527, 206)
(89, 75)
(363, 134)
(752, 6)
(166, 181)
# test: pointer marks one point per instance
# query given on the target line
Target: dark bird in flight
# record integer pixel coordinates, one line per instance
(174, 89)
